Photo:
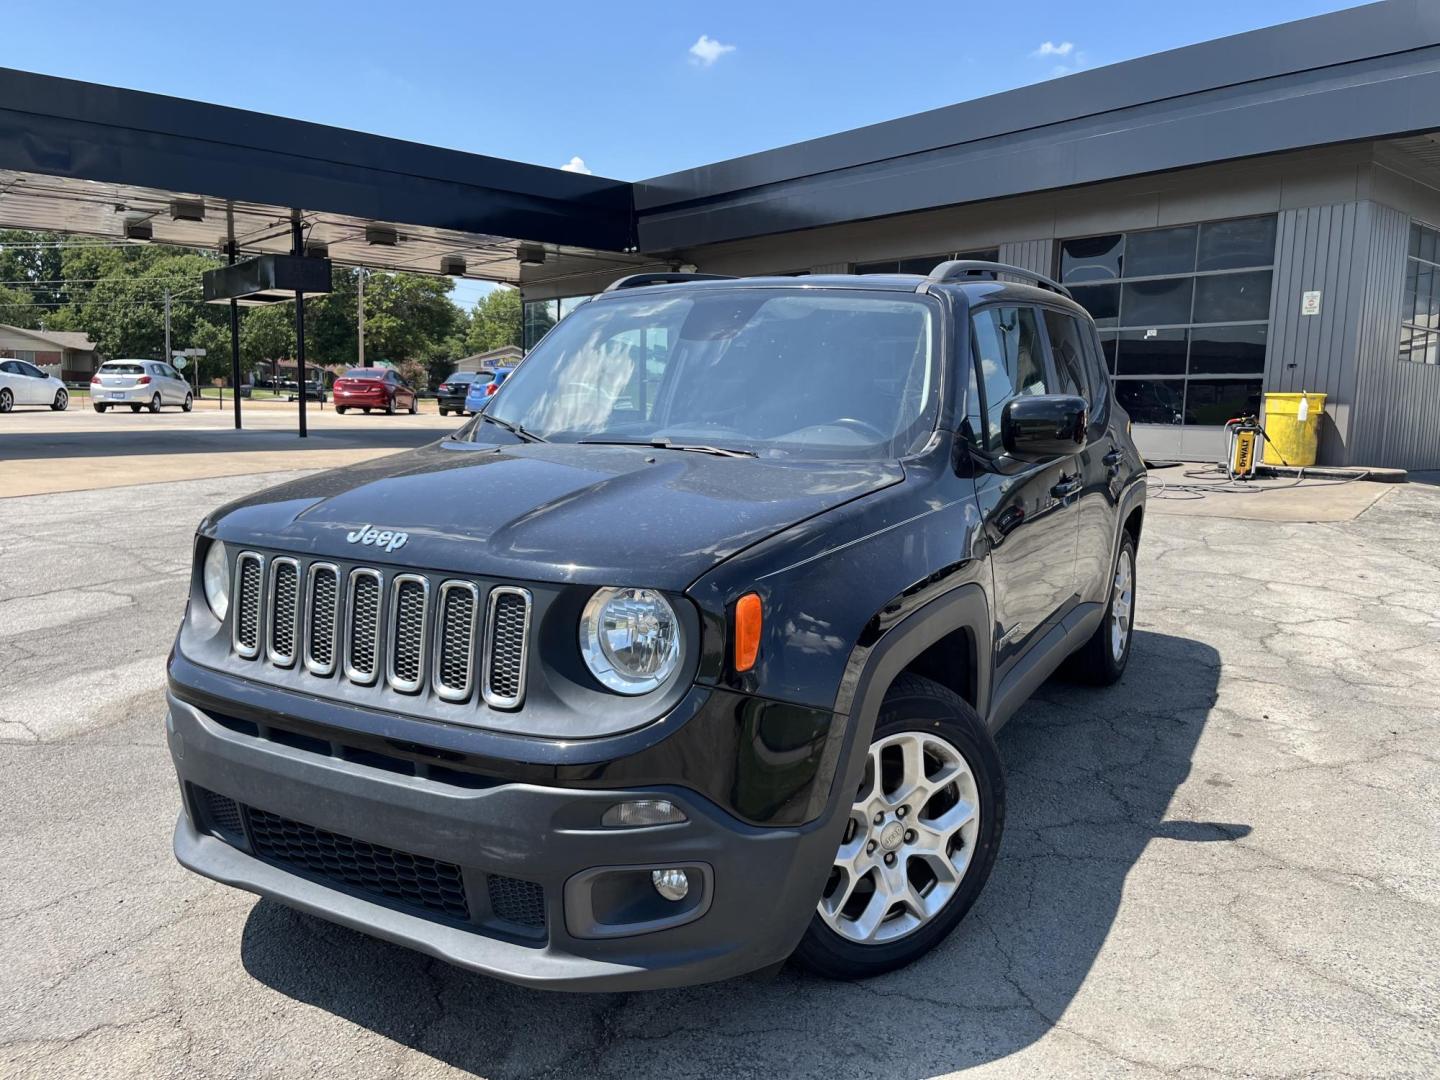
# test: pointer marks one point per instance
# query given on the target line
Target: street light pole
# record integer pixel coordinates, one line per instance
(297, 247)
(234, 346)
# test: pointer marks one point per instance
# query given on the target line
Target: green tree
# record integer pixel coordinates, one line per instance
(495, 321)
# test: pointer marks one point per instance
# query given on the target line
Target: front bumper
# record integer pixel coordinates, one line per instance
(753, 888)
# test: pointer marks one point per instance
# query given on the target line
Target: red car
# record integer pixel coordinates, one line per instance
(374, 388)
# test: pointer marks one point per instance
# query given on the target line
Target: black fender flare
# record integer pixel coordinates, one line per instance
(872, 668)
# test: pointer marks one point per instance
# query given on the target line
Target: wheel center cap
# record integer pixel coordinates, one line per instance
(892, 835)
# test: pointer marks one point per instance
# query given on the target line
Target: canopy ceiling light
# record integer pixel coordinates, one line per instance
(531, 255)
(316, 249)
(454, 265)
(187, 210)
(266, 279)
(139, 229)
(380, 235)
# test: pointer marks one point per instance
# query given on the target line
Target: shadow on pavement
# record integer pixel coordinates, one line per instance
(1091, 775)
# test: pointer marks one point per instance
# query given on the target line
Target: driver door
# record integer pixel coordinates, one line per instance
(1029, 507)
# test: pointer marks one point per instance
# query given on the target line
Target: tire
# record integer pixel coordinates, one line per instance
(61, 402)
(937, 725)
(189, 403)
(341, 409)
(390, 405)
(414, 406)
(135, 408)
(101, 408)
(444, 412)
(1099, 662)
(367, 412)
(7, 400)
(155, 404)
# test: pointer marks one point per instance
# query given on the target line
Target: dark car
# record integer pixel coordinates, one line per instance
(369, 389)
(314, 390)
(685, 656)
(482, 392)
(451, 393)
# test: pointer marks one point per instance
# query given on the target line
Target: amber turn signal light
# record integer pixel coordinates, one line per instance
(748, 618)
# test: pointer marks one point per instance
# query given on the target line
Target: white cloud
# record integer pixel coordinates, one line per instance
(576, 164)
(1050, 48)
(707, 50)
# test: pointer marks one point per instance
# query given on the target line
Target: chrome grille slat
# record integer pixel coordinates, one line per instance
(456, 616)
(409, 628)
(249, 593)
(322, 617)
(507, 633)
(363, 604)
(282, 607)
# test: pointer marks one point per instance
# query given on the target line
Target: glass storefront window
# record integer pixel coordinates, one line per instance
(923, 264)
(1420, 302)
(1184, 314)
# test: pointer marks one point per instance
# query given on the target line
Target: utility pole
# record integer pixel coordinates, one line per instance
(234, 344)
(360, 314)
(297, 247)
(167, 325)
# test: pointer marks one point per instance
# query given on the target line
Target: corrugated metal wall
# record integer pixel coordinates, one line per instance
(1398, 418)
(1037, 255)
(1323, 248)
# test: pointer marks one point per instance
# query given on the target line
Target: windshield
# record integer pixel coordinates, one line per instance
(775, 372)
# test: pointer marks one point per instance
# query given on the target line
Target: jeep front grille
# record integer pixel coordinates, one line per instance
(249, 585)
(362, 627)
(284, 608)
(407, 632)
(506, 629)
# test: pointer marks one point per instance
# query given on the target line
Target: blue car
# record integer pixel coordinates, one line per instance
(480, 392)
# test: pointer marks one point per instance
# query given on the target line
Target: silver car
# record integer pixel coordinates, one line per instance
(141, 384)
(22, 383)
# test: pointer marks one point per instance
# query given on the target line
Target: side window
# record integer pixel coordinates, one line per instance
(1007, 349)
(29, 369)
(1067, 346)
(10, 367)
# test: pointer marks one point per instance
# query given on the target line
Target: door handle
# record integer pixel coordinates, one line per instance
(1068, 485)
(1113, 459)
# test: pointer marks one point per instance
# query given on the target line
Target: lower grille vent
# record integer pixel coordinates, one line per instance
(516, 901)
(411, 879)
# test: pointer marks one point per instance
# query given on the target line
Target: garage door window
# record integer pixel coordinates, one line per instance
(1183, 314)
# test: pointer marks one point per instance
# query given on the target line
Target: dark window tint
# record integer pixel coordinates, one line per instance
(1228, 350)
(1155, 303)
(122, 369)
(1067, 347)
(29, 369)
(1102, 301)
(1214, 401)
(1225, 245)
(1151, 401)
(10, 367)
(1232, 297)
(1160, 251)
(1107, 349)
(1151, 352)
(922, 265)
(1007, 348)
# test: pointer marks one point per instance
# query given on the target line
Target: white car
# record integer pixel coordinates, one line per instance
(22, 383)
(141, 384)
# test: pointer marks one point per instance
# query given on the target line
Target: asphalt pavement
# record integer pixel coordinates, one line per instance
(1225, 866)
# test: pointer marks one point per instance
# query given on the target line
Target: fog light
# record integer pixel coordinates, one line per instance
(642, 812)
(671, 884)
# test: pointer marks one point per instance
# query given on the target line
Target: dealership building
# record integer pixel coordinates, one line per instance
(1258, 213)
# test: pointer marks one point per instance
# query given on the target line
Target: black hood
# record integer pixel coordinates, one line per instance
(550, 511)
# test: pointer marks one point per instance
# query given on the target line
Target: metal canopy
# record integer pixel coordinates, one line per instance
(96, 160)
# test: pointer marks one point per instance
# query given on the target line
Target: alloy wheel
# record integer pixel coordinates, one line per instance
(909, 840)
(7, 401)
(1122, 599)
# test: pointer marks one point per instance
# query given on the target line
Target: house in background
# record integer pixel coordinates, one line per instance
(68, 355)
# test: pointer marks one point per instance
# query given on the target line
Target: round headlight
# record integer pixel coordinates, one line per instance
(630, 639)
(216, 576)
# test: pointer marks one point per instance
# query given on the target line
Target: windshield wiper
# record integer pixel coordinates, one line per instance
(666, 444)
(515, 429)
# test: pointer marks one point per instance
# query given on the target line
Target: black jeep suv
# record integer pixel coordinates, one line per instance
(709, 676)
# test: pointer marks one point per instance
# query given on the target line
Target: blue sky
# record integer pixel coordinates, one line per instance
(631, 89)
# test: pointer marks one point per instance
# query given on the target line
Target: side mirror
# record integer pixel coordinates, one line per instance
(1050, 425)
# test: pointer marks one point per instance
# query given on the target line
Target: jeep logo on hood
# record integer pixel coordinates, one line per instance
(380, 538)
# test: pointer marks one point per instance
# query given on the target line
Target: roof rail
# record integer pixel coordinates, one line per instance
(960, 269)
(635, 281)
